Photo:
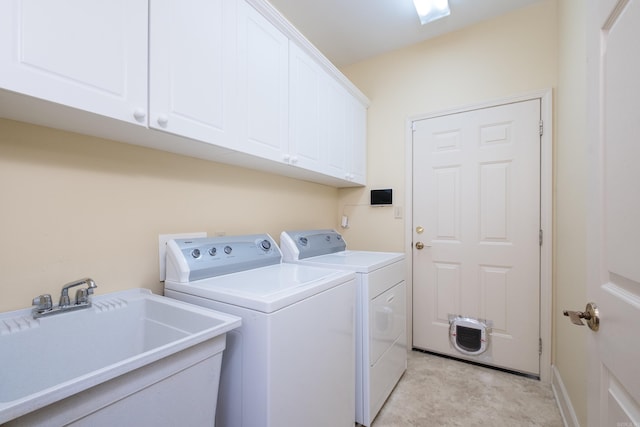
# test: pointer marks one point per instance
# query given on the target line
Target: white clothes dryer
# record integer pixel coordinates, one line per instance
(291, 361)
(381, 315)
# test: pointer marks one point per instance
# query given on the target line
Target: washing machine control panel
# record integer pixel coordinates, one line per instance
(311, 243)
(200, 258)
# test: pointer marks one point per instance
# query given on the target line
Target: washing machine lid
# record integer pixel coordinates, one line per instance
(357, 261)
(265, 289)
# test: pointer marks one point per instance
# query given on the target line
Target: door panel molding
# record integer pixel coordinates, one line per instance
(546, 206)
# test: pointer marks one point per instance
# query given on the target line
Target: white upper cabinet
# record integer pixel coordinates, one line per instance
(307, 134)
(193, 69)
(263, 79)
(346, 140)
(337, 122)
(357, 147)
(86, 54)
(327, 124)
(224, 80)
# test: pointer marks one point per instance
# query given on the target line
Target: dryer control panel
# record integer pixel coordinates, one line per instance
(298, 245)
(201, 258)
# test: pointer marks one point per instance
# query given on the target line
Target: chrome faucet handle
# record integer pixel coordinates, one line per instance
(82, 295)
(64, 299)
(42, 302)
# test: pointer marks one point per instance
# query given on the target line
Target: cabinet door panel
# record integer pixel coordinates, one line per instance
(307, 130)
(86, 54)
(263, 85)
(192, 73)
(337, 131)
(358, 143)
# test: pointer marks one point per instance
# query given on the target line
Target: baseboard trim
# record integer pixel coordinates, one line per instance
(569, 417)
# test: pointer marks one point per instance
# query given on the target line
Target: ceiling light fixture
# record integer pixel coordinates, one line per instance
(430, 10)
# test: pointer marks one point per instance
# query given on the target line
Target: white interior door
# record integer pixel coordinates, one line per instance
(614, 212)
(476, 210)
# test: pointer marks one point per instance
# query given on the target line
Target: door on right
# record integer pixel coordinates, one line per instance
(613, 212)
(476, 233)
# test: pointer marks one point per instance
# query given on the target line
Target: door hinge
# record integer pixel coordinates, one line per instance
(541, 127)
(539, 346)
(540, 237)
(413, 126)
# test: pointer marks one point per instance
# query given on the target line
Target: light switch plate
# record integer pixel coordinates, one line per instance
(397, 212)
(162, 247)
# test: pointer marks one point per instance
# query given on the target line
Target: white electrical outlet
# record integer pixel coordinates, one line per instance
(162, 247)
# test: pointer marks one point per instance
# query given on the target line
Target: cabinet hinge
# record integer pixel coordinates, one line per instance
(541, 127)
(540, 237)
(539, 346)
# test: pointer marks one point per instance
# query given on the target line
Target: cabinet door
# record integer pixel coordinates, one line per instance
(307, 130)
(192, 68)
(86, 54)
(263, 78)
(336, 123)
(357, 155)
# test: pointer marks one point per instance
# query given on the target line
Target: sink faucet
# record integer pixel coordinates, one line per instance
(82, 295)
(44, 307)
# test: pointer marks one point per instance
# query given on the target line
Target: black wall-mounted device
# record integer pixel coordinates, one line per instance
(382, 197)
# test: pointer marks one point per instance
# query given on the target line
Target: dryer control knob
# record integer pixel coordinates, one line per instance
(228, 250)
(212, 251)
(265, 245)
(195, 253)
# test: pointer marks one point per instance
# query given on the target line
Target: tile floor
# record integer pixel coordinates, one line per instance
(436, 391)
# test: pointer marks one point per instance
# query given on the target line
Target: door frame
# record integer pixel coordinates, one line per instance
(546, 214)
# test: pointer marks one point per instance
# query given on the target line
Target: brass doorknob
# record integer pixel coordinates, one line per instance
(590, 314)
(419, 245)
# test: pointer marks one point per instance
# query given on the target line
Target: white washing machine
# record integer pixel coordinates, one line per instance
(292, 362)
(381, 315)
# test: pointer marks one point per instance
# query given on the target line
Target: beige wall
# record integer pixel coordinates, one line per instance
(538, 47)
(73, 206)
(570, 202)
(502, 57)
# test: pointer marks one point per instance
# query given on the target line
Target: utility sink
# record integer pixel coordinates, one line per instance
(83, 366)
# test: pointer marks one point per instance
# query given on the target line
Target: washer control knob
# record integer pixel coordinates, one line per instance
(303, 241)
(327, 238)
(265, 245)
(228, 250)
(195, 253)
(213, 251)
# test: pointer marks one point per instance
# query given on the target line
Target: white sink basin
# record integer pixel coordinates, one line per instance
(51, 358)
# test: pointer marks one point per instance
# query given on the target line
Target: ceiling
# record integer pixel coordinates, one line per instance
(348, 31)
